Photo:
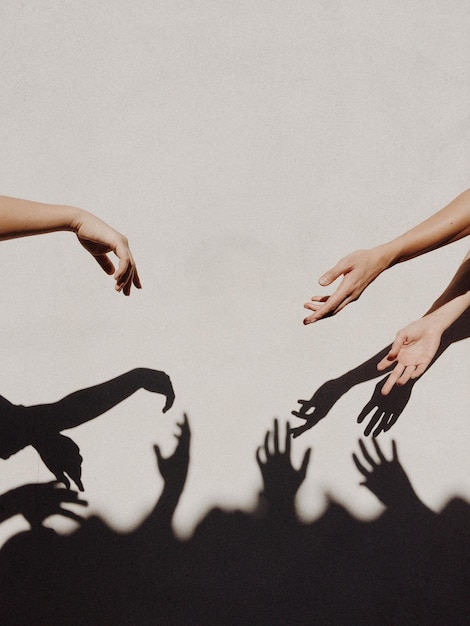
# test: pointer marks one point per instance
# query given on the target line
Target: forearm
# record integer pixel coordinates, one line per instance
(86, 404)
(446, 226)
(20, 218)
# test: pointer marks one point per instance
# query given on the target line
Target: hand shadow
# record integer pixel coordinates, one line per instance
(387, 408)
(40, 425)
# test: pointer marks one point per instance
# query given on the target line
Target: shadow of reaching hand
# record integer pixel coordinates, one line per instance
(387, 408)
(36, 502)
(385, 478)
(281, 480)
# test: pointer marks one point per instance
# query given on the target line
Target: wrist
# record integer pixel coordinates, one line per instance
(74, 218)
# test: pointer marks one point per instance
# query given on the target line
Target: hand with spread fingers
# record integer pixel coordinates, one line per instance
(280, 478)
(385, 478)
(384, 410)
(37, 502)
(413, 350)
(174, 468)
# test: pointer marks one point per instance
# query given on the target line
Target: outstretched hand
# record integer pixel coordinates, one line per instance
(174, 468)
(36, 502)
(386, 478)
(99, 240)
(388, 408)
(62, 457)
(413, 350)
(358, 269)
(280, 478)
(319, 405)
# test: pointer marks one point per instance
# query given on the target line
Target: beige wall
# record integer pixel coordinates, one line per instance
(243, 147)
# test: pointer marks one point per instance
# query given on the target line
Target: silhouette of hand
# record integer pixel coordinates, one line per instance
(359, 269)
(387, 408)
(281, 480)
(36, 502)
(386, 479)
(315, 409)
(62, 456)
(99, 239)
(174, 469)
(413, 350)
(157, 382)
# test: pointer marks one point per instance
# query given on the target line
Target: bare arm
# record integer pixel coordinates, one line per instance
(416, 344)
(360, 268)
(21, 218)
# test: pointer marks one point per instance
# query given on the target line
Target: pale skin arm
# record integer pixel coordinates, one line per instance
(22, 218)
(360, 268)
(416, 344)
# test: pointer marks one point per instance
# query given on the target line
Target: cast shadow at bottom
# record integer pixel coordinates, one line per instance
(410, 566)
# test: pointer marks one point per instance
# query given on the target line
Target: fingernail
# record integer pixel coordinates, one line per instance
(323, 280)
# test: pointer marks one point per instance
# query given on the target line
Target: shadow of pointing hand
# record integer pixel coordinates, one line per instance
(37, 502)
(280, 478)
(319, 405)
(174, 468)
(62, 456)
(158, 382)
(387, 408)
(385, 478)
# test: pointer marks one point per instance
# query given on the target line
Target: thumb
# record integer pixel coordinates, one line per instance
(331, 275)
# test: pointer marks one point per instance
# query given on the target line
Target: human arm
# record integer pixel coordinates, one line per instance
(416, 345)
(360, 268)
(22, 218)
(174, 471)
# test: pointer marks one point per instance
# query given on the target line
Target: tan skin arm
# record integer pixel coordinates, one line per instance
(360, 268)
(22, 218)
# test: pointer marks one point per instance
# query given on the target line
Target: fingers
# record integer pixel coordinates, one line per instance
(373, 422)
(365, 411)
(170, 398)
(332, 274)
(287, 440)
(70, 514)
(305, 462)
(366, 454)
(359, 466)
(126, 274)
(420, 369)
(393, 352)
(105, 263)
(379, 451)
(258, 457)
(299, 430)
(78, 482)
(158, 454)
(276, 436)
(328, 308)
(392, 379)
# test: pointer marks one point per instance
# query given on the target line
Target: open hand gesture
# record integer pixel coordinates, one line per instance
(413, 350)
(281, 479)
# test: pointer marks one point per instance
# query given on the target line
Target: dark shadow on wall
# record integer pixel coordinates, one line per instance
(383, 411)
(409, 567)
(41, 425)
